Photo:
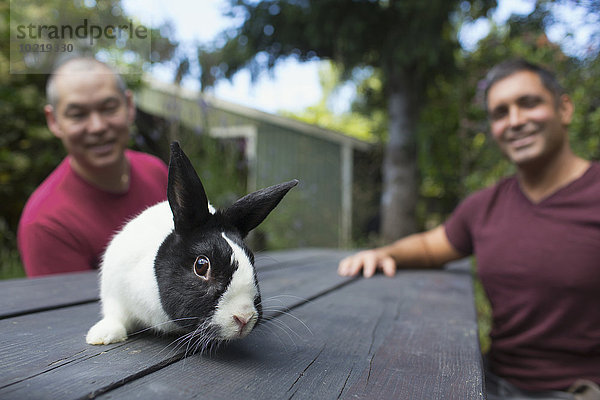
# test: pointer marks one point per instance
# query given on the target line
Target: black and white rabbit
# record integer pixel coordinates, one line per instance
(182, 266)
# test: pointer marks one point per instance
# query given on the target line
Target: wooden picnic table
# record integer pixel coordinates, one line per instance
(323, 337)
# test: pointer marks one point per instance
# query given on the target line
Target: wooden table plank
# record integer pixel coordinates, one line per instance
(22, 296)
(287, 258)
(288, 285)
(437, 332)
(36, 343)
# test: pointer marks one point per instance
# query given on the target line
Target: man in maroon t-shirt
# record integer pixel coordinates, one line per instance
(536, 238)
(70, 218)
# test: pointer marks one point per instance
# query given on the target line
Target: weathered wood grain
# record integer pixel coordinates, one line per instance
(293, 258)
(22, 296)
(432, 350)
(289, 285)
(37, 343)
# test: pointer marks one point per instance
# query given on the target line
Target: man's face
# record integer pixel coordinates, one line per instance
(92, 118)
(526, 121)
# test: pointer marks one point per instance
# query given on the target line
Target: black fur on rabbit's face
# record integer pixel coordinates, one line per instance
(205, 273)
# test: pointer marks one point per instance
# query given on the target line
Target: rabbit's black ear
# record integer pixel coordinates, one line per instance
(185, 192)
(252, 209)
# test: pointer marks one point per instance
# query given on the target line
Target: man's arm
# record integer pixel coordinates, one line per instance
(430, 249)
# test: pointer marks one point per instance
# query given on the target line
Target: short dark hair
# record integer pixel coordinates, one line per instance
(85, 63)
(512, 66)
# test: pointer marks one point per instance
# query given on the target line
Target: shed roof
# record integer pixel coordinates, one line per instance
(260, 116)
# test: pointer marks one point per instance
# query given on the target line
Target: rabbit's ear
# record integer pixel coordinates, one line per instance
(185, 192)
(249, 211)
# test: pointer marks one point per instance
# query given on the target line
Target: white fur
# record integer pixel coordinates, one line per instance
(128, 287)
(238, 299)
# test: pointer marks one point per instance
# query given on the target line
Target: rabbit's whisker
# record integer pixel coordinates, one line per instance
(177, 343)
(277, 311)
(276, 330)
(282, 326)
(287, 296)
(161, 324)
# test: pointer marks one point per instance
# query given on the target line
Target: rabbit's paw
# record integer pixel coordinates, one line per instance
(106, 332)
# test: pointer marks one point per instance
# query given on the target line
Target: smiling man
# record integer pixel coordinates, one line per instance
(529, 122)
(536, 238)
(70, 218)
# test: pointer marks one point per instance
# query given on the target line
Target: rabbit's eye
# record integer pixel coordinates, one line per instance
(202, 267)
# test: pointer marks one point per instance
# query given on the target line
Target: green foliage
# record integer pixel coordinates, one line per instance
(27, 149)
(370, 101)
(352, 34)
(366, 127)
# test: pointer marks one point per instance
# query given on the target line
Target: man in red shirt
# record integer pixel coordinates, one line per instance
(70, 218)
(536, 238)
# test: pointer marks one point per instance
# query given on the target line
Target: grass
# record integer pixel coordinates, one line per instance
(10, 264)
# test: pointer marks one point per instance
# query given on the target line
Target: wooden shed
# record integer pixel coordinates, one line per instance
(316, 213)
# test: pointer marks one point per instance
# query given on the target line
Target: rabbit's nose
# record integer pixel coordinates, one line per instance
(241, 321)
